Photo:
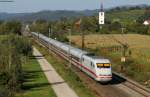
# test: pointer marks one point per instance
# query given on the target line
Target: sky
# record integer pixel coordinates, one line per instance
(21, 6)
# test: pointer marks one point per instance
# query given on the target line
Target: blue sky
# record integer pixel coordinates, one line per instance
(20, 6)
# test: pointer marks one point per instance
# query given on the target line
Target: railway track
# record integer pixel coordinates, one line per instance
(134, 86)
(118, 87)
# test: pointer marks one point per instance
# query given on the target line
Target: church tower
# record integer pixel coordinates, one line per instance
(101, 15)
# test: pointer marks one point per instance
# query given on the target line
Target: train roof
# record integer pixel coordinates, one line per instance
(75, 51)
(97, 57)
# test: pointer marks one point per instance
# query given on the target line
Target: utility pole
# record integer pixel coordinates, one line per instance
(49, 35)
(38, 35)
(83, 39)
(125, 48)
(69, 54)
(78, 26)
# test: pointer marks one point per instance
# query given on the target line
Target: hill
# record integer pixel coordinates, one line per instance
(47, 15)
(123, 14)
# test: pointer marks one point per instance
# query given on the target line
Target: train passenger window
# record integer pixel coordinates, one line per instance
(92, 65)
(82, 59)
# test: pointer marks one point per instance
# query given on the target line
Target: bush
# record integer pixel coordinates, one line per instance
(5, 93)
(10, 27)
(21, 44)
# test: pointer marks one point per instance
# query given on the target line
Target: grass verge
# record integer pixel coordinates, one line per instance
(36, 84)
(69, 76)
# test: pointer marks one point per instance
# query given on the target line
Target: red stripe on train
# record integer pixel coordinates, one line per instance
(83, 66)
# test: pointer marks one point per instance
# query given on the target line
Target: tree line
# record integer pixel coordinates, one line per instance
(14, 49)
(10, 27)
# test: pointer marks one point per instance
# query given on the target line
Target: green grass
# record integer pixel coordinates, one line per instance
(69, 76)
(2, 37)
(36, 84)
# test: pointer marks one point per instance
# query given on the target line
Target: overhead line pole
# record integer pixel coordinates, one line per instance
(50, 36)
(83, 39)
(69, 53)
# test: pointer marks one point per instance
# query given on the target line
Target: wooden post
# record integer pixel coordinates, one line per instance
(83, 39)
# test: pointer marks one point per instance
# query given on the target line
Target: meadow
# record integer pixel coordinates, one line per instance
(35, 84)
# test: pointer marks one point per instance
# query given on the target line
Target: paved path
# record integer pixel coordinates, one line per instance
(59, 86)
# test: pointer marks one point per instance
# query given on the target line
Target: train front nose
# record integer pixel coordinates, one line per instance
(104, 78)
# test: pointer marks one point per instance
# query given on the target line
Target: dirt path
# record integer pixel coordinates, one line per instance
(59, 86)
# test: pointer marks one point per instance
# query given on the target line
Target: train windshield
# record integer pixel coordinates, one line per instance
(105, 65)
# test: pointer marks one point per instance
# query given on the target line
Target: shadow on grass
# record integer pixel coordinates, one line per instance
(38, 71)
(34, 86)
(33, 77)
(31, 80)
(57, 83)
(37, 57)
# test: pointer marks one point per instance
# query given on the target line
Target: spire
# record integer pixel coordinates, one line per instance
(101, 14)
(101, 6)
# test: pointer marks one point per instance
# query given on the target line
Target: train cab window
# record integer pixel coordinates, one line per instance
(100, 65)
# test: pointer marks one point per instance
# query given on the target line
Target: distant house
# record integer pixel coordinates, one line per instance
(147, 22)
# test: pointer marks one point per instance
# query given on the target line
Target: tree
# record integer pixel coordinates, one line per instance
(11, 27)
(145, 16)
(115, 26)
(12, 50)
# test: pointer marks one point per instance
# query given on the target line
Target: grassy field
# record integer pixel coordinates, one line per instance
(3, 37)
(36, 84)
(138, 45)
(68, 75)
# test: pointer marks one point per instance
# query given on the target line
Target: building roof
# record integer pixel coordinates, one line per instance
(146, 22)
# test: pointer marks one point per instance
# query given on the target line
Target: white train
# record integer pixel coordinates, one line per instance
(96, 67)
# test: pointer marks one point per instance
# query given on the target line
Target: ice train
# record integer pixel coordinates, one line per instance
(96, 67)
